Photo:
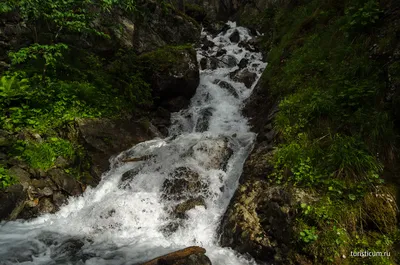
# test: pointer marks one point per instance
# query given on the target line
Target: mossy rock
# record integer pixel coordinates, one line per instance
(173, 72)
(380, 211)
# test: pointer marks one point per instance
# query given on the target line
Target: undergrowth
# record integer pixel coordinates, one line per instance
(335, 125)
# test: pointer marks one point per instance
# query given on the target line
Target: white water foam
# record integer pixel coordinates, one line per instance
(130, 217)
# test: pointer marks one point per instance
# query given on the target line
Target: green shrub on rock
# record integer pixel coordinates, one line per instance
(6, 179)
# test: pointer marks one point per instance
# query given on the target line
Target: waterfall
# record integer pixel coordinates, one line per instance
(172, 196)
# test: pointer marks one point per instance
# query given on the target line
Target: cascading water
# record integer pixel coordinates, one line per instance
(173, 198)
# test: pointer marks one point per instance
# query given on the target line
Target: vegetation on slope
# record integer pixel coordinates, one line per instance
(52, 80)
(329, 63)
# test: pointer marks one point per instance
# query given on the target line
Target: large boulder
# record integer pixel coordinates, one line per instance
(183, 184)
(245, 76)
(213, 153)
(104, 137)
(163, 27)
(174, 75)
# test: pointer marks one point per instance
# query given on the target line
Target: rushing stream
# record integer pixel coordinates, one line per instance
(172, 198)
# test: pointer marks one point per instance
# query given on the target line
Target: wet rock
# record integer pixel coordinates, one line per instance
(66, 250)
(11, 201)
(61, 162)
(163, 28)
(227, 86)
(46, 206)
(187, 256)
(235, 36)
(184, 183)
(229, 61)
(176, 104)
(203, 63)
(104, 137)
(250, 45)
(182, 208)
(23, 176)
(162, 120)
(270, 136)
(243, 63)
(220, 52)
(65, 182)
(178, 78)
(215, 63)
(204, 119)
(213, 153)
(207, 44)
(128, 176)
(59, 199)
(260, 218)
(43, 183)
(44, 192)
(246, 77)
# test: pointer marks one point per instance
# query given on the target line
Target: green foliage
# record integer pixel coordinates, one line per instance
(50, 53)
(6, 179)
(43, 155)
(5, 7)
(308, 235)
(335, 124)
(44, 106)
(363, 17)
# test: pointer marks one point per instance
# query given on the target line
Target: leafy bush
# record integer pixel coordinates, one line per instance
(43, 155)
(363, 17)
(308, 235)
(6, 179)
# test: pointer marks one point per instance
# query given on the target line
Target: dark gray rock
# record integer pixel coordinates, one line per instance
(246, 77)
(235, 37)
(203, 121)
(179, 78)
(11, 201)
(184, 183)
(46, 206)
(181, 209)
(228, 61)
(163, 28)
(227, 86)
(220, 52)
(65, 182)
(103, 138)
(207, 44)
(59, 199)
(203, 63)
(21, 175)
(243, 63)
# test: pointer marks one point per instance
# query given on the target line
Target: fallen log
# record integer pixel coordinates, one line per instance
(137, 159)
(178, 256)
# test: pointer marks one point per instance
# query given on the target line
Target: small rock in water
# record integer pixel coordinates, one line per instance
(203, 63)
(243, 63)
(227, 86)
(203, 121)
(182, 208)
(246, 77)
(207, 44)
(221, 52)
(235, 37)
(229, 60)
